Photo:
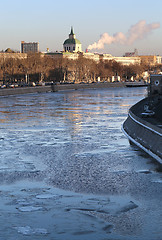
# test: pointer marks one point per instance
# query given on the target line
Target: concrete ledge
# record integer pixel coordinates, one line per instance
(144, 134)
(55, 88)
(24, 90)
(62, 87)
(148, 151)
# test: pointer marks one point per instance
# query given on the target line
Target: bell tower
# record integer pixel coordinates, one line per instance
(72, 35)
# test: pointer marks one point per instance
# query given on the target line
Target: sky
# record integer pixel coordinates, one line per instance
(128, 24)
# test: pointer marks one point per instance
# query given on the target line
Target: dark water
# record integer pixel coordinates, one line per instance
(68, 172)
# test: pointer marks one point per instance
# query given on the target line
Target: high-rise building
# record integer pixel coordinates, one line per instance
(29, 47)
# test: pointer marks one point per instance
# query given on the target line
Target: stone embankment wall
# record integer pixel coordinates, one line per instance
(86, 86)
(143, 132)
(147, 137)
(24, 90)
(55, 88)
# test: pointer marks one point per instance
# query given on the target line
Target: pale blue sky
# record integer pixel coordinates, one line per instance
(49, 23)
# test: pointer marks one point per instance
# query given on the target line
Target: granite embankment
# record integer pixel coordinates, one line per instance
(24, 90)
(55, 88)
(146, 132)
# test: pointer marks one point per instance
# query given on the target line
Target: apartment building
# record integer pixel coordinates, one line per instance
(27, 47)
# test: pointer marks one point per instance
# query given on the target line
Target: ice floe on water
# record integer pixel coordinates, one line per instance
(46, 196)
(129, 206)
(30, 209)
(146, 171)
(157, 181)
(27, 230)
(24, 202)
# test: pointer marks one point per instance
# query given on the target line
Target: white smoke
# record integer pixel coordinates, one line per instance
(137, 31)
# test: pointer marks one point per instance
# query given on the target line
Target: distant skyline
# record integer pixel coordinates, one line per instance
(49, 23)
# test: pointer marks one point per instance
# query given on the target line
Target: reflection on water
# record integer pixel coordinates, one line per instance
(68, 172)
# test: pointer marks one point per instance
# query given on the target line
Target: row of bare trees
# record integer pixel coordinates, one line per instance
(39, 67)
(33, 65)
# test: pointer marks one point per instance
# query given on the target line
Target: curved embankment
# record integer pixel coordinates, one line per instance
(142, 133)
(55, 88)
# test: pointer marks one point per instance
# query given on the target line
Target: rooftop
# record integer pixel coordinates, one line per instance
(72, 41)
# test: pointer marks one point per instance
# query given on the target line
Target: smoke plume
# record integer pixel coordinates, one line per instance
(138, 31)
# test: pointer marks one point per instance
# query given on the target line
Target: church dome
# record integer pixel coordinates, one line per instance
(72, 44)
(72, 41)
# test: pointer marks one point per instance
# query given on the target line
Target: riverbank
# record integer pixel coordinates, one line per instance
(24, 90)
(59, 87)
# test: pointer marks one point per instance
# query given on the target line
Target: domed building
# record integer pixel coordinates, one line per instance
(72, 44)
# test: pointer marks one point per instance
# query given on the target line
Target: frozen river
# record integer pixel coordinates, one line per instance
(67, 172)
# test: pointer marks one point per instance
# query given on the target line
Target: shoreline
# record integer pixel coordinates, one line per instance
(56, 88)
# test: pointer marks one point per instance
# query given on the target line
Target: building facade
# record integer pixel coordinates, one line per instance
(5, 56)
(29, 47)
(151, 59)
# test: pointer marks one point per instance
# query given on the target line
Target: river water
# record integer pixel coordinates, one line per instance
(67, 172)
